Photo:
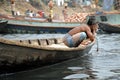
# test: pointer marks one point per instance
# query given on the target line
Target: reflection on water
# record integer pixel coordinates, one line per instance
(101, 65)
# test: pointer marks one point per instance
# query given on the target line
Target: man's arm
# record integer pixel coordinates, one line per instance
(90, 35)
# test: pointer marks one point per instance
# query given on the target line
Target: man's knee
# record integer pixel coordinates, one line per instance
(83, 36)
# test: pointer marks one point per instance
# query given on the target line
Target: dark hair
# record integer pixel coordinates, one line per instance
(91, 20)
(65, 6)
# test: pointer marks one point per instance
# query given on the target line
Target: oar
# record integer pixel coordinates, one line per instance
(97, 44)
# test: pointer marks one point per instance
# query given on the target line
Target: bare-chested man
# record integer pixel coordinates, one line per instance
(75, 36)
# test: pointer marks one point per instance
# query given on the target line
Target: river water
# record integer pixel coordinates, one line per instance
(101, 65)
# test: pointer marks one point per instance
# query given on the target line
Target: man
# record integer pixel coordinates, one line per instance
(50, 4)
(13, 7)
(65, 14)
(96, 3)
(75, 36)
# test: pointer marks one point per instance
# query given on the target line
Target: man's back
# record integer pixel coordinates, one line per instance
(82, 28)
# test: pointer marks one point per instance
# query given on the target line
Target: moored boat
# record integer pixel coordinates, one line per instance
(18, 55)
(109, 28)
(109, 23)
(36, 27)
(2, 25)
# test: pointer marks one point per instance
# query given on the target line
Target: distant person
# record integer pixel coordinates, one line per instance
(51, 13)
(96, 3)
(49, 19)
(27, 12)
(40, 13)
(34, 14)
(50, 4)
(13, 7)
(31, 14)
(86, 31)
(65, 12)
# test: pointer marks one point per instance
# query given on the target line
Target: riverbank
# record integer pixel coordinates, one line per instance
(22, 6)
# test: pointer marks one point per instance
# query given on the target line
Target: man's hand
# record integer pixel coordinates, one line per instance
(86, 42)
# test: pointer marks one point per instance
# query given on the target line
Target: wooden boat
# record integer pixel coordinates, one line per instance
(36, 25)
(2, 25)
(109, 23)
(31, 26)
(18, 55)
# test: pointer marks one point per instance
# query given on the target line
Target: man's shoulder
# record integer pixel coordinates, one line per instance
(84, 25)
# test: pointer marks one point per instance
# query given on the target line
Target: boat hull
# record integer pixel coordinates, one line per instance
(23, 29)
(2, 25)
(16, 58)
(109, 28)
(109, 23)
(36, 27)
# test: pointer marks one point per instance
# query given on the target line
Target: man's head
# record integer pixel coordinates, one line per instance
(65, 7)
(92, 23)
